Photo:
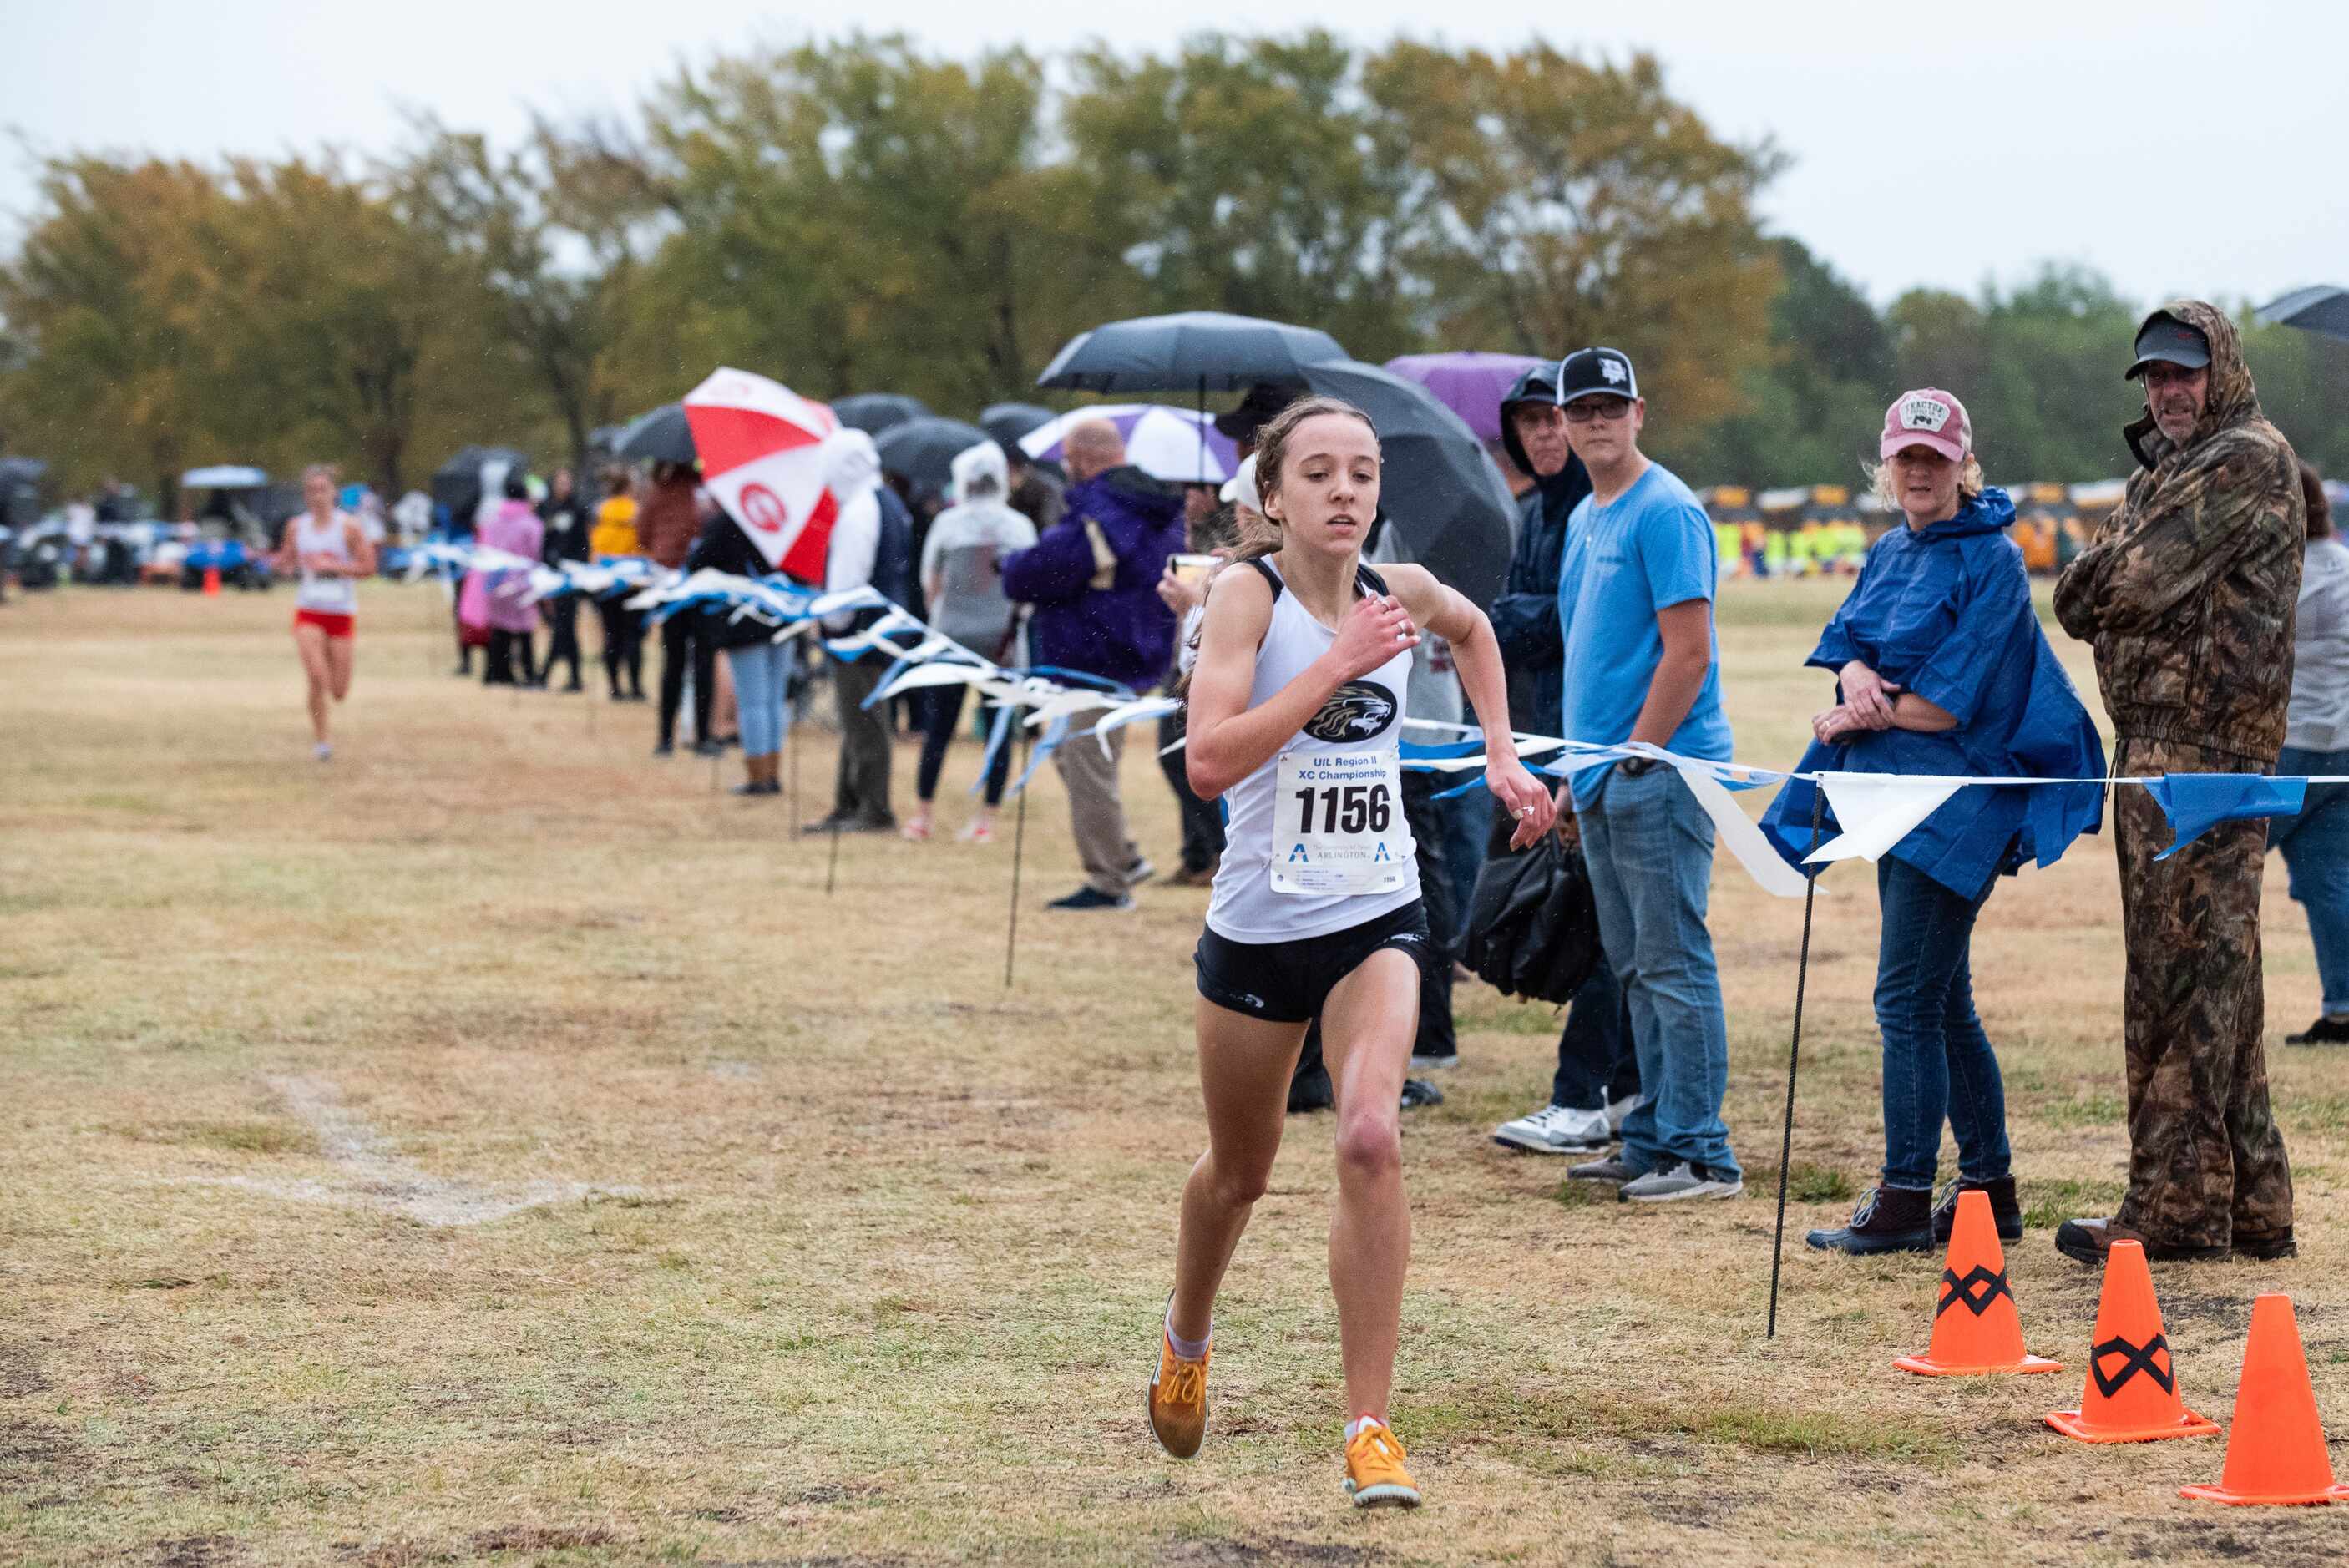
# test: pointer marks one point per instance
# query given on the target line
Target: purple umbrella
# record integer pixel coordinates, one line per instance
(1175, 444)
(1470, 384)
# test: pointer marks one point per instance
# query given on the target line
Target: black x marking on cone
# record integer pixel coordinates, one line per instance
(2134, 1360)
(1976, 1290)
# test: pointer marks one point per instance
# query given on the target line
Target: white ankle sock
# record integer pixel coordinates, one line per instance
(1188, 1349)
(1354, 1428)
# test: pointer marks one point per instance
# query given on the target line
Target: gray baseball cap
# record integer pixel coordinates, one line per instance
(2171, 341)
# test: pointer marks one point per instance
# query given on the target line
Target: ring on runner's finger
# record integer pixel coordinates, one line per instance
(1524, 812)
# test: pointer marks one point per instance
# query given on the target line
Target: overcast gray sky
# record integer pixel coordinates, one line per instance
(2178, 146)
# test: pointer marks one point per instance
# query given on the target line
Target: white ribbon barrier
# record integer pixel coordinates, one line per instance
(1873, 811)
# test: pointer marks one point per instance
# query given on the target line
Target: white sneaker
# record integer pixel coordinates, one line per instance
(1684, 1180)
(1619, 1111)
(323, 752)
(1556, 1129)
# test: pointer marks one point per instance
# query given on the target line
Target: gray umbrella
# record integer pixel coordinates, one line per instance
(1437, 483)
(663, 436)
(1007, 422)
(2320, 308)
(923, 451)
(1201, 350)
(874, 412)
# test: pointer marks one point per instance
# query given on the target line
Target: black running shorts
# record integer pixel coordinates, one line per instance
(1287, 982)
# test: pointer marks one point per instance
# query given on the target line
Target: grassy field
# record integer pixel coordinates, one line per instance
(496, 1146)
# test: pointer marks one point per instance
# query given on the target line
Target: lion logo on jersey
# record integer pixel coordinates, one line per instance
(1355, 711)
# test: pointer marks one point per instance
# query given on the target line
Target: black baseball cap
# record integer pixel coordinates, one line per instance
(1596, 372)
(2171, 341)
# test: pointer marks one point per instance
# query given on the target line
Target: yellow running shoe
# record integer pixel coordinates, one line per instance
(1178, 1400)
(1375, 1472)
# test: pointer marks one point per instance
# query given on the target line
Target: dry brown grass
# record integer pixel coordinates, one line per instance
(846, 1255)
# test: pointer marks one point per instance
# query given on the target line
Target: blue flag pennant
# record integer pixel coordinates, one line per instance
(2197, 802)
(1416, 751)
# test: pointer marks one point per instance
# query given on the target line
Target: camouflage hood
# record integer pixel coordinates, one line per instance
(2187, 591)
(2231, 401)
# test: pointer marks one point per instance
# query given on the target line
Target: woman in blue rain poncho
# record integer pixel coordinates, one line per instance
(1941, 670)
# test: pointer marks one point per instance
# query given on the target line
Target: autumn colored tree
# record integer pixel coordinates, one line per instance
(1812, 409)
(123, 368)
(858, 216)
(1556, 203)
(1252, 175)
(556, 274)
(351, 326)
(864, 215)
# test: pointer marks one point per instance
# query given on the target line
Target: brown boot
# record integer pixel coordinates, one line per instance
(2089, 1240)
(761, 779)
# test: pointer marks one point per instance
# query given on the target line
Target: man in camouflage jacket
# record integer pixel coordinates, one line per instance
(2187, 596)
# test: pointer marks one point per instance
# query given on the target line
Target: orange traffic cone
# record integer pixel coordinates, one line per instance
(212, 581)
(1976, 1329)
(2276, 1452)
(2140, 1400)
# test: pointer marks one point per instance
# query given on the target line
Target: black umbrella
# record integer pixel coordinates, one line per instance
(874, 412)
(1202, 350)
(660, 436)
(2322, 308)
(923, 451)
(1007, 422)
(1437, 482)
(457, 483)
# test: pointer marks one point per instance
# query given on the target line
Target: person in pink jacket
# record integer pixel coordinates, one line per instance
(518, 531)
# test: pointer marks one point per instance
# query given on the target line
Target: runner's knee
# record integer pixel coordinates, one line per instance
(1239, 1185)
(1370, 1144)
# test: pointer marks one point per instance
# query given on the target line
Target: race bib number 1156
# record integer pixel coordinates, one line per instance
(1338, 824)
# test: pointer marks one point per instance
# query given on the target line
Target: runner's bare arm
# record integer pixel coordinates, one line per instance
(355, 539)
(1228, 740)
(1476, 652)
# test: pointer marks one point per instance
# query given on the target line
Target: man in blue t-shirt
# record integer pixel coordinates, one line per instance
(1635, 608)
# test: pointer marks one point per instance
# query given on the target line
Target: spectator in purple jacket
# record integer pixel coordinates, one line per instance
(1093, 580)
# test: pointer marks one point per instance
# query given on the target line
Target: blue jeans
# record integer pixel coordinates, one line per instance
(2315, 846)
(1649, 846)
(1938, 1063)
(762, 678)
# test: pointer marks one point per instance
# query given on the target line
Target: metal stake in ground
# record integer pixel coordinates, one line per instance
(1794, 1055)
(1019, 847)
(832, 868)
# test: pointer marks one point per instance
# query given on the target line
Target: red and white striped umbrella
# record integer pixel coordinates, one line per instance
(761, 447)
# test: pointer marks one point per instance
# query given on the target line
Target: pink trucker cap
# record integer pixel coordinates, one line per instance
(1928, 417)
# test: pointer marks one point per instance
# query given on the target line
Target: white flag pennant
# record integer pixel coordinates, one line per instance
(1876, 810)
(1065, 703)
(1736, 832)
(1117, 718)
(915, 677)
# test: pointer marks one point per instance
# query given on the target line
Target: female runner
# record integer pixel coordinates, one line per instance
(1295, 711)
(332, 553)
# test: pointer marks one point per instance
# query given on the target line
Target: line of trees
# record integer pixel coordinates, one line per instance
(864, 215)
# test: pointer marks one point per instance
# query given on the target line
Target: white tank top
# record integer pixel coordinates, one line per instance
(1281, 846)
(329, 595)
